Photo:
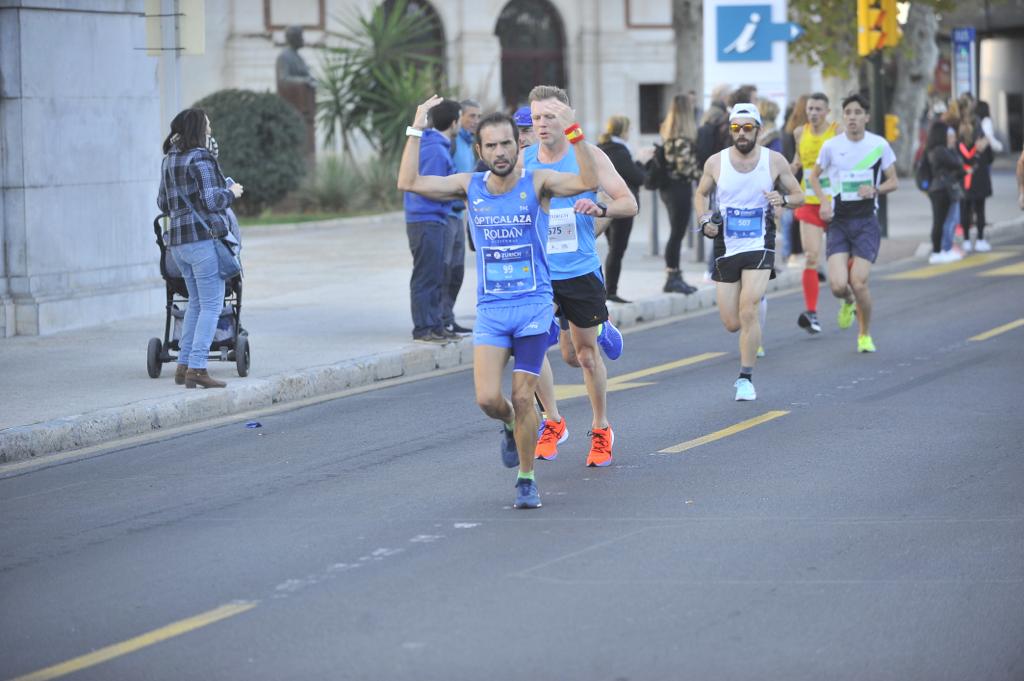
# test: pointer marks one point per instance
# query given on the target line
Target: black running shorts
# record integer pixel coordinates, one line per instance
(581, 300)
(729, 269)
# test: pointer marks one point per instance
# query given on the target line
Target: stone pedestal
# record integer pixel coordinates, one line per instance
(79, 166)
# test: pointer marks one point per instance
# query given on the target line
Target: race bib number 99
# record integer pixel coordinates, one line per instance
(562, 231)
(744, 223)
(509, 269)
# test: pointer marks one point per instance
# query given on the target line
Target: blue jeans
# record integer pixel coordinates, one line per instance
(949, 226)
(426, 242)
(199, 267)
(454, 266)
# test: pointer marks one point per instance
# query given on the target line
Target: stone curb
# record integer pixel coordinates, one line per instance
(83, 430)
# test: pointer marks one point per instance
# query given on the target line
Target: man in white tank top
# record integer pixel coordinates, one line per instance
(744, 178)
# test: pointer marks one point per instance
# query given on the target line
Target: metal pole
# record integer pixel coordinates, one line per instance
(654, 221)
(878, 109)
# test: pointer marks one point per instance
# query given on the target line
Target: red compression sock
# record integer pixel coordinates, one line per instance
(811, 290)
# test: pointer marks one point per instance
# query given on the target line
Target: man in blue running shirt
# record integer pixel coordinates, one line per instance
(576, 276)
(513, 282)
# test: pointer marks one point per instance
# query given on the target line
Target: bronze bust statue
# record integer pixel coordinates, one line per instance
(297, 86)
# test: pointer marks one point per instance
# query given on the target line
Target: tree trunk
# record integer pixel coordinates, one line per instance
(688, 24)
(915, 60)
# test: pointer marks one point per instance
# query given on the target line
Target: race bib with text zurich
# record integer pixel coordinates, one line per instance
(509, 269)
(562, 231)
(744, 223)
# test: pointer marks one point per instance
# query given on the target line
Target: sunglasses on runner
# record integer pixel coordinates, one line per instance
(746, 127)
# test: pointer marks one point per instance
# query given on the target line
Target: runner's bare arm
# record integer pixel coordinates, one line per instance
(568, 184)
(815, 181)
(792, 193)
(704, 189)
(890, 181)
(622, 204)
(433, 187)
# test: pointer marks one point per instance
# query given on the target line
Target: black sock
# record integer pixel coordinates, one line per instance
(746, 372)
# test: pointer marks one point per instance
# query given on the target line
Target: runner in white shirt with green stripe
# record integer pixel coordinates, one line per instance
(859, 165)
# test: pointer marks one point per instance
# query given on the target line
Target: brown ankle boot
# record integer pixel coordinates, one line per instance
(179, 374)
(194, 377)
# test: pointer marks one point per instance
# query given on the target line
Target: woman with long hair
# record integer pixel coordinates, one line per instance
(796, 118)
(679, 136)
(943, 191)
(976, 155)
(192, 191)
(613, 143)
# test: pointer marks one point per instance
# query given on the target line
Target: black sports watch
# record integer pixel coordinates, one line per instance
(603, 207)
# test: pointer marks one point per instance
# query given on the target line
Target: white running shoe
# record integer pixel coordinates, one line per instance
(966, 246)
(952, 255)
(744, 390)
(938, 258)
(982, 246)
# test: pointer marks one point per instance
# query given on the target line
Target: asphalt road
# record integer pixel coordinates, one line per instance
(872, 528)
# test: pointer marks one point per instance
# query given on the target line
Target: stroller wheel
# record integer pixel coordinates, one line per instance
(154, 362)
(242, 355)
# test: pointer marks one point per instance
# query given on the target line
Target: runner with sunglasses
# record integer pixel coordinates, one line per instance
(744, 177)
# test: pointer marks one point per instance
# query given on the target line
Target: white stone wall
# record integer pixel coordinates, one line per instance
(79, 121)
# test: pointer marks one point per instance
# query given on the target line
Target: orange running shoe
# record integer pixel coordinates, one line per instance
(601, 441)
(552, 434)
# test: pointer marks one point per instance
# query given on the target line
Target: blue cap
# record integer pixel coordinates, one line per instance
(522, 117)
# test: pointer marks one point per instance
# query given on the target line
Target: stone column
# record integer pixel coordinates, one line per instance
(80, 129)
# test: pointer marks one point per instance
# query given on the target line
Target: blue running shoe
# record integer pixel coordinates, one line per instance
(509, 453)
(610, 340)
(527, 495)
(744, 390)
(554, 333)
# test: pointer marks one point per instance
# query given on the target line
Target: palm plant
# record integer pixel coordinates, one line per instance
(379, 68)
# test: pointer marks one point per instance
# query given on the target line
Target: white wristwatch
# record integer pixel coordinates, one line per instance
(413, 132)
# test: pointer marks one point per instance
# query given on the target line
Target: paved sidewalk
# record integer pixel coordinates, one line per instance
(327, 309)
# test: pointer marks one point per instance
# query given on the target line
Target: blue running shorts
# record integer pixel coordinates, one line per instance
(523, 328)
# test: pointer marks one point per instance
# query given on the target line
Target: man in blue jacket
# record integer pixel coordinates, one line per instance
(426, 224)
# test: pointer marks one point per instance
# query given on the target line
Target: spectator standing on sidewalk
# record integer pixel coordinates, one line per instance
(944, 191)
(465, 160)
(1020, 180)
(976, 155)
(796, 118)
(426, 226)
(192, 191)
(679, 136)
(613, 143)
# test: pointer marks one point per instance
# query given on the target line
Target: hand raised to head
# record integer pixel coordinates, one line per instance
(419, 121)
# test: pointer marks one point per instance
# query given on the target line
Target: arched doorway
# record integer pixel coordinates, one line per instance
(532, 48)
(429, 42)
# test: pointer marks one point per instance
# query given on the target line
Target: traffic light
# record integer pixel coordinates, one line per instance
(892, 127)
(890, 23)
(877, 25)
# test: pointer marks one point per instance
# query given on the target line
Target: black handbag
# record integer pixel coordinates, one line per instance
(657, 170)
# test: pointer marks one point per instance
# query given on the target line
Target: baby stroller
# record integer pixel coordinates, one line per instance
(230, 340)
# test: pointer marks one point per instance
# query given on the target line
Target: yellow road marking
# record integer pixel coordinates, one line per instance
(1016, 270)
(131, 645)
(627, 381)
(998, 330)
(973, 260)
(725, 432)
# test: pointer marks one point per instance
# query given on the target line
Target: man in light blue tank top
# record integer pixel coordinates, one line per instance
(576, 276)
(513, 280)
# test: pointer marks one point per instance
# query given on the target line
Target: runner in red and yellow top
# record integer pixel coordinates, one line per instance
(808, 143)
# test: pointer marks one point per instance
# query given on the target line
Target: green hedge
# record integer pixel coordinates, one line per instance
(262, 140)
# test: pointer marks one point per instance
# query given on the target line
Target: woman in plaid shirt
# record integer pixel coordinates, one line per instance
(192, 192)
